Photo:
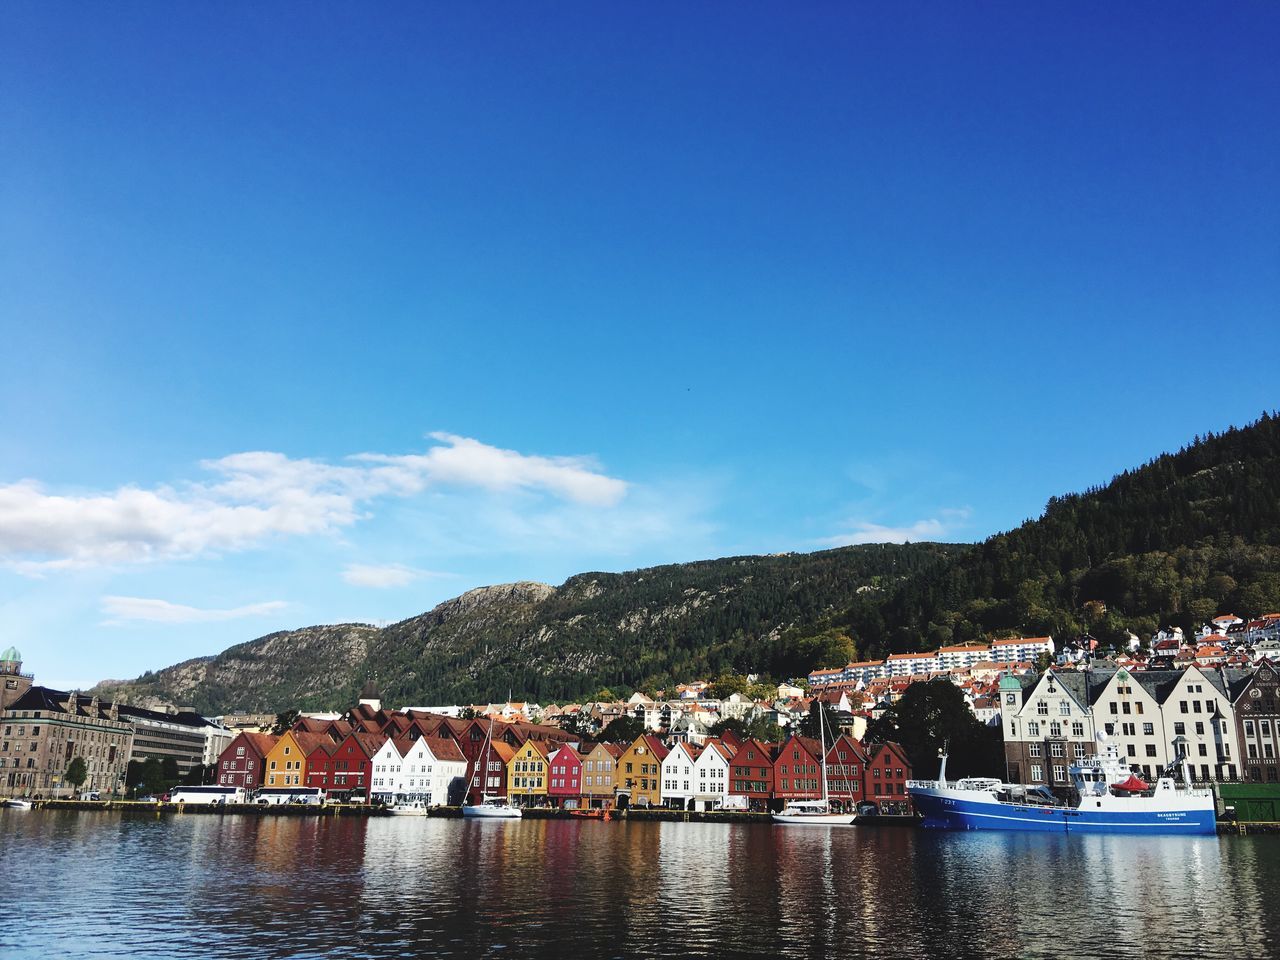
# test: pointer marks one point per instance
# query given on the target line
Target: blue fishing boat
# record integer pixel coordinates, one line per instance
(1111, 799)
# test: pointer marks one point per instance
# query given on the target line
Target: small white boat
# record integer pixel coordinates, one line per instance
(816, 812)
(489, 808)
(493, 808)
(408, 808)
(13, 803)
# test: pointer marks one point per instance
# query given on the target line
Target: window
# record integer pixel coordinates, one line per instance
(1115, 707)
(1055, 729)
(1182, 706)
(1064, 708)
(1059, 773)
(1077, 729)
(1151, 749)
(1036, 773)
(1042, 708)
(1179, 728)
(1148, 729)
(1033, 729)
(1125, 707)
(1055, 749)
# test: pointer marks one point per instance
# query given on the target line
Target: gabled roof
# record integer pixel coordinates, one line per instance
(259, 743)
(725, 750)
(443, 748)
(810, 744)
(503, 749)
(538, 746)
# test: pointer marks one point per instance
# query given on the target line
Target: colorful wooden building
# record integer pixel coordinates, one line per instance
(243, 762)
(638, 775)
(564, 787)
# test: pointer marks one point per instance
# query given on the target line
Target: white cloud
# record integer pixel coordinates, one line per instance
(933, 528)
(385, 576)
(260, 494)
(119, 609)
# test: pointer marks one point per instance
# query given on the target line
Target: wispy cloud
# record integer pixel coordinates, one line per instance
(121, 609)
(941, 527)
(384, 576)
(257, 495)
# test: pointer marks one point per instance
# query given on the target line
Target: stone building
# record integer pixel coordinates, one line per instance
(13, 682)
(1257, 717)
(44, 730)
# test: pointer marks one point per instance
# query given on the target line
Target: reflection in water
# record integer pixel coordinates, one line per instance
(301, 887)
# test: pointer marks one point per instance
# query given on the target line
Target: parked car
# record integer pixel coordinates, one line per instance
(148, 798)
(90, 795)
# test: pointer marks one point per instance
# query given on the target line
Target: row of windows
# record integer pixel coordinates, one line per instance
(1056, 750)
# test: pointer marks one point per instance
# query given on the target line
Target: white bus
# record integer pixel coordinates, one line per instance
(208, 795)
(270, 796)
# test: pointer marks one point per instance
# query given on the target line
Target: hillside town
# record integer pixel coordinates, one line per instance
(1210, 700)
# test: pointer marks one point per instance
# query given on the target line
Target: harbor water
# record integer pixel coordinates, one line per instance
(108, 884)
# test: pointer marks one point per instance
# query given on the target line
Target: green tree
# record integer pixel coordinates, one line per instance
(727, 684)
(623, 729)
(153, 780)
(285, 721)
(578, 725)
(133, 775)
(933, 714)
(809, 725)
(758, 726)
(169, 770)
(199, 774)
(77, 772)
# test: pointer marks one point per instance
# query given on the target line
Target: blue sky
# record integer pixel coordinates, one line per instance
(314, 313)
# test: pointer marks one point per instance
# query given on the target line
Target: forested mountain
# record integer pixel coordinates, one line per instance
(642, 629)
(1174, 542)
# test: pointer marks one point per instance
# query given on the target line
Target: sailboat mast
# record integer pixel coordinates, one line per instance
(822, 746)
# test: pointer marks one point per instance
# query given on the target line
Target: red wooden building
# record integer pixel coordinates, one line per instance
(564, 785)
(797, 773)
(751, 773)
(846, 771)
(344, 771)
(242, 764)
(886, 778)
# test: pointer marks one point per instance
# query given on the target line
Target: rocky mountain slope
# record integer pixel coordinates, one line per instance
(641, 628)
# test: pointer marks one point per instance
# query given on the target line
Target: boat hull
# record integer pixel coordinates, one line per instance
(944, 809)
(815, 819)
(481, 812)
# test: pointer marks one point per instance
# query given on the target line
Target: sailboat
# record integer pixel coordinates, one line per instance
(816, 812)
(492, 808)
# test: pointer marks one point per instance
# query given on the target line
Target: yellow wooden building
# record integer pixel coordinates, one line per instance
(286, 763)
(638, 775)
(598, 772)
(527, 774)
